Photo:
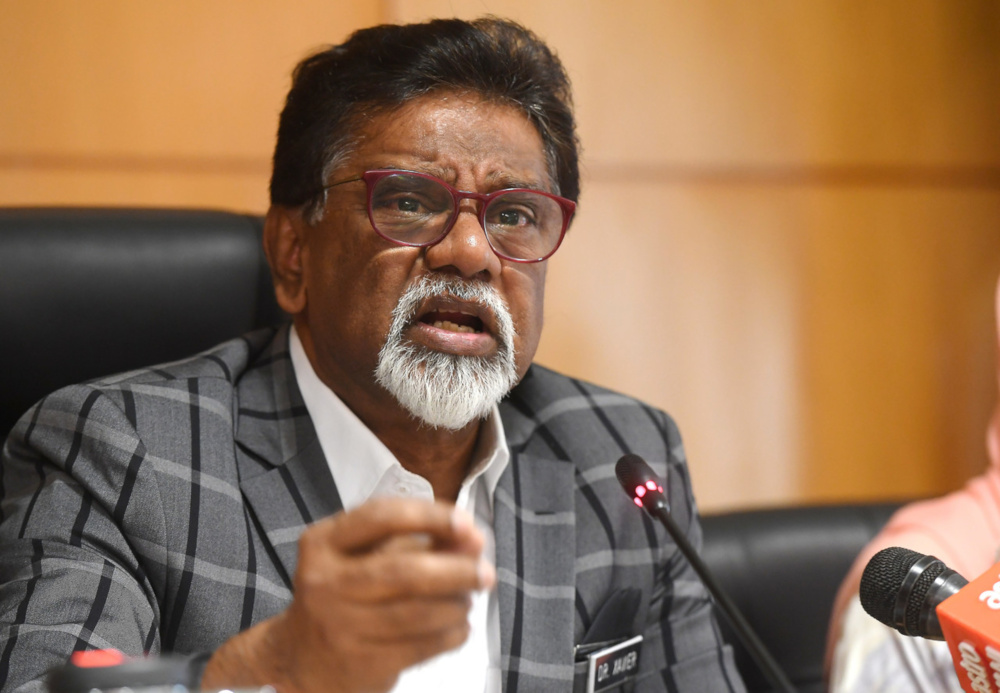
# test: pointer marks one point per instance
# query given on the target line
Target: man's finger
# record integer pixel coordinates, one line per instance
(372, 523)
(386, 576)
(404, 619)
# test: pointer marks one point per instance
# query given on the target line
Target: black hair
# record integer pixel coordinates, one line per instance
(383, 67)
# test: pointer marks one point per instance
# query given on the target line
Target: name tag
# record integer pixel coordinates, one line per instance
(613, 665)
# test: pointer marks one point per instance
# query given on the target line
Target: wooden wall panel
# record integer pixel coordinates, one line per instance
(727, 84)
(898, 339)
(119, 102)
(85, 182)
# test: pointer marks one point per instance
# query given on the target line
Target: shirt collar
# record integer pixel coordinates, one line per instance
(359, 461)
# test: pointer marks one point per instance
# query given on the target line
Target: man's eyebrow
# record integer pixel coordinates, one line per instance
(445, 173)
(501, 180)
(496, 180)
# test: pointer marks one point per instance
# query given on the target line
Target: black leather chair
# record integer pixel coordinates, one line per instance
(89, 292)
(782, 568)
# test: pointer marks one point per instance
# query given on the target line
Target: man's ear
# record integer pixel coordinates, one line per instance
(283, 243)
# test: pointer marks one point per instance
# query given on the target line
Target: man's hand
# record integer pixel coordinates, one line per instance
(376, 590)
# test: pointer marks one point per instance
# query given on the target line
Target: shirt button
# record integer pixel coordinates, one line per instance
(403, 490)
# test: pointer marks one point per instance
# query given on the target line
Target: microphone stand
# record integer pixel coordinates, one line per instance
(639, 482)
(772, 672)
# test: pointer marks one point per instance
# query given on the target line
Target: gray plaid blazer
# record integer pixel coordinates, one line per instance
(159, 511)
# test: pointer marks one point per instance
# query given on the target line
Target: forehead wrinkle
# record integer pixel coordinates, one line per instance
(494, 177)
(487, 154)
(490, 177)
(428, 145)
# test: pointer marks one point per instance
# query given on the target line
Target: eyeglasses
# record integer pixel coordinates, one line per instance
(417, 209)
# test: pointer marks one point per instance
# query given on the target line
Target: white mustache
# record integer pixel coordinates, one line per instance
(405, 313)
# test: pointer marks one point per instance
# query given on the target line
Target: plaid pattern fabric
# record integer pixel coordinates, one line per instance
(159, 510)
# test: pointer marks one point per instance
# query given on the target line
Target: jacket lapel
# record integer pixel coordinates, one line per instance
(535, 527)
(283, 474)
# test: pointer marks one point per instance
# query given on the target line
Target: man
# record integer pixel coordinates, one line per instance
(348, 505)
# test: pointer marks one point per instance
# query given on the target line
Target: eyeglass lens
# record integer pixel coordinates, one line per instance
(415, 210)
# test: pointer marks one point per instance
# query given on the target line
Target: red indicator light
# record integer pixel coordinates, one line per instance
(651, 485)
(660, 489)
(640, 491)
(97, 658)
(637, 502)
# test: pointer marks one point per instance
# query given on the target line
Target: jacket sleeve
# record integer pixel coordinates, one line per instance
(71, 576)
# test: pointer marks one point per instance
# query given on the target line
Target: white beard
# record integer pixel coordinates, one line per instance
(446, 390)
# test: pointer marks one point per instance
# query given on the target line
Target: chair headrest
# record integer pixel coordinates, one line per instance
(86, 292)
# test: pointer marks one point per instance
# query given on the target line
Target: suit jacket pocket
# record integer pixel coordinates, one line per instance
(614, 620)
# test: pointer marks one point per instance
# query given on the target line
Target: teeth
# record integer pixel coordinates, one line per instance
(452, 326)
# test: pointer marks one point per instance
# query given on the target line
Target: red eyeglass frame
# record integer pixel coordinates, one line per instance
(370, 178)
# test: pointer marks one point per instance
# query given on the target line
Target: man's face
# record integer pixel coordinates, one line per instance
(352, 279)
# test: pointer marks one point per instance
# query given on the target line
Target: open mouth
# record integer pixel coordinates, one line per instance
(453, 321)
(460, 322)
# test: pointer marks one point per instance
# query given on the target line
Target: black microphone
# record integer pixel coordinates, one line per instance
(902, 589)
(646, 491)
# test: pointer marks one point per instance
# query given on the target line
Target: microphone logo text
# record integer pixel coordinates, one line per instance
(992, 597)
(975, 668)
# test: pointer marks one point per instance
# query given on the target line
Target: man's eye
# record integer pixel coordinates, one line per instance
(401, 203)
(407, 204)
(510, 217)
(513, 217)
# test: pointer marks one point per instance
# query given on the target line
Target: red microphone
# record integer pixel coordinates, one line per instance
(970, 621)
(919, 595)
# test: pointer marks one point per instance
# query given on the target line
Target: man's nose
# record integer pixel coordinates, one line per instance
(465, 248)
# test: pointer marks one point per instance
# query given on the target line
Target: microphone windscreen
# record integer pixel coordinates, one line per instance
(633, 471)
(882, 580)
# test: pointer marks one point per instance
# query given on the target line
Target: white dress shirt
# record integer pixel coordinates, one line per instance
(364, 468)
